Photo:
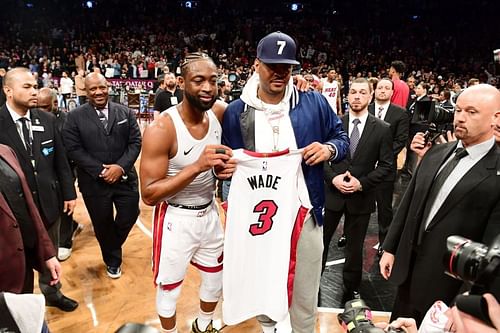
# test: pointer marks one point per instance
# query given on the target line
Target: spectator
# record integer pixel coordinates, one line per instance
(66, 88)
(80, 87)
(401, 89)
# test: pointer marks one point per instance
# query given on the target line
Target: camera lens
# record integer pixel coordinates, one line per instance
(441, 115)
(463, 258)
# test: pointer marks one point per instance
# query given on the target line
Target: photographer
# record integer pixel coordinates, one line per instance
(449, 194)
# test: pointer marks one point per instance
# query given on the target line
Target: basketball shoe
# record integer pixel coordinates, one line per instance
(209, 329)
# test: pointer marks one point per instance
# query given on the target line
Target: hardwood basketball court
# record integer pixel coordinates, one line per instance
(107, 304)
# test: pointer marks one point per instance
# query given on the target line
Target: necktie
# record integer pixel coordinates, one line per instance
(439, 181)
(26, 135)
(380, 110)
(103, 119)
(354, 136)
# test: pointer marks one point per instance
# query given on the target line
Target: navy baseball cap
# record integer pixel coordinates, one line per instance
(277, 48)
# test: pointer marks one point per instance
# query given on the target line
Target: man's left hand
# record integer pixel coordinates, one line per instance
(69, 207)
(111, 173)
(316, 153)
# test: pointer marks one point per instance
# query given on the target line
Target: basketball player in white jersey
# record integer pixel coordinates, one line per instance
(179, 151)
(331, 90)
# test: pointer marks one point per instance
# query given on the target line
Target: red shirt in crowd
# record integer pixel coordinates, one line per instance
(401, 93)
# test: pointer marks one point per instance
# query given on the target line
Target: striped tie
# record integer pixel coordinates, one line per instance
(354, 136)
(103, 119)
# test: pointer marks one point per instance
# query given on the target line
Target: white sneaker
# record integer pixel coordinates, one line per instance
(63, 253)
(114, 272)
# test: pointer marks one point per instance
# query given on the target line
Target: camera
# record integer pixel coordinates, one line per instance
(357, 318)
(236, 88)
(477, 265)
(434, 118)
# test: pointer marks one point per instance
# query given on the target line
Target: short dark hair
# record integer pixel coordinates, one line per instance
(161, 78)
(424, 85)
(399, 66)
(446, 94)
(387, 79)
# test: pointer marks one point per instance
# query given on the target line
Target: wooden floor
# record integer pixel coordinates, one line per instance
(107, 304)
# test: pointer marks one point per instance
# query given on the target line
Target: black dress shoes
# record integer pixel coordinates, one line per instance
(63, 303)
(342, 240)
(349, 295)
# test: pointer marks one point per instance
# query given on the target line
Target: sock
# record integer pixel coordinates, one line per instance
(204, 318)
(172, 330)
(268, 329)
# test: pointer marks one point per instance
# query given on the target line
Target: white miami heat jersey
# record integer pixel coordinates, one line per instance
(330, 91)
(266, 209)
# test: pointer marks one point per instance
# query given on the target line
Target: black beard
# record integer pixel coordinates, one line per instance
(198, 104)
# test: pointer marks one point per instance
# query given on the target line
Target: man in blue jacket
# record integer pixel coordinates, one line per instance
(272, 115)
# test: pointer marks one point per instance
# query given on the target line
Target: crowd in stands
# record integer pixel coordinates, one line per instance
(144, 38)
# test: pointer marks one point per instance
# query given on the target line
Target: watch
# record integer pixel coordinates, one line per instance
(331, 149)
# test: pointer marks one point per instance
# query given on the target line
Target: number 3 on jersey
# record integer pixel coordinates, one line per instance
(267, 210)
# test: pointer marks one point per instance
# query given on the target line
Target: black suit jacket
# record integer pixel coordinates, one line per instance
(50, 180)
(446, 104)
(90, 146)
(372, 162)
(472, 210)
(397, 117)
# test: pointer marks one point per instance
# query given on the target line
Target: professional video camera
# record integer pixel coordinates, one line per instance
(357, 318)
(236, 88)
(478, 265)
(434, 118)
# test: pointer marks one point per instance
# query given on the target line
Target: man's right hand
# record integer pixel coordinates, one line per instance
(385, 264)
(213, 156)
(419, 146)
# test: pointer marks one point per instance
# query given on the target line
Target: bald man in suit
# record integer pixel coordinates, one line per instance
(37, 142)
(465, 203)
